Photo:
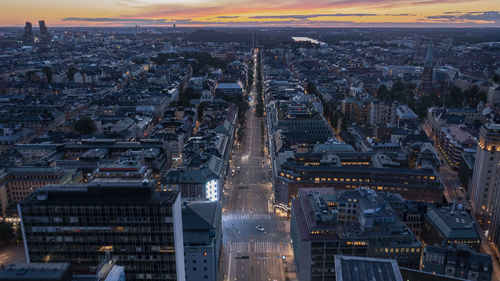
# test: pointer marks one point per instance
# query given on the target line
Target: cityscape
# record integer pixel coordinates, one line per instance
(220, 144)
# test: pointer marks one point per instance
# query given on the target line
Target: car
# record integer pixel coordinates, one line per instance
(260, 228)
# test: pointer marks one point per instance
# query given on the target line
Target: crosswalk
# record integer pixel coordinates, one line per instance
(240, 247)
(255, 247)
(242, 216)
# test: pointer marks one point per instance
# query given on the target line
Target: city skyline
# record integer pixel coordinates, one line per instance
(228, 13)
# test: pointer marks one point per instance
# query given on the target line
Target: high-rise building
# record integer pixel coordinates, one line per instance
(254, 40)
(484, 186)
(428, 70)
(28, 33)
(44, 32)
(131, 223)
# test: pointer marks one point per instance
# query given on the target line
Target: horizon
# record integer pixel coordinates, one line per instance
(260, 13)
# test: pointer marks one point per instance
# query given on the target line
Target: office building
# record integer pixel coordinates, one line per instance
(325, 223)
(484, 187)
(193, 182)
(449, 226)
(354, 268)
(349, 170)
(28, 33)
(44, 32)
(460, 262)
(228, 89)
(19, 182)
(453, 141)
(300, 123)
(85, 224)
(126, 169)
(202, 228)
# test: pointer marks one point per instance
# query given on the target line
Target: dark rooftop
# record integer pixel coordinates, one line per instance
(350, 268)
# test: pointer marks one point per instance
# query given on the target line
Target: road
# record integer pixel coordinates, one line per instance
(11, 253)
(452, 185)
(250, 254)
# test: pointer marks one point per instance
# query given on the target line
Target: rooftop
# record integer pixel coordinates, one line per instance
(453, 222)
(35, 271)
(101, 192)
(349, 268)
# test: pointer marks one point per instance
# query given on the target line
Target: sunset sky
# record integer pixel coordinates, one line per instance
(322, 13)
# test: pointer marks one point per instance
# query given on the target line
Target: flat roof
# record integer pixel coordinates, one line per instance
(453, 223)
(35, 271)
(124, 192)
(350, 268)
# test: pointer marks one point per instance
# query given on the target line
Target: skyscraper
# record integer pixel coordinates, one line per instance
(85, 224)
(44, 33)
(428, 69)
(484, 186)
(28, 32)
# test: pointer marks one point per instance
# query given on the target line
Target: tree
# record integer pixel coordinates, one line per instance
(199, 110)
(71, 73)
(496, 78)
(48, 73)
(85, 125)
(6, 231)
(382, 92)
(456, 97)
(187, 96)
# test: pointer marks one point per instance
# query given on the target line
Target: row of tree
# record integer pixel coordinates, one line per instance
(259, 108)
(198, 61)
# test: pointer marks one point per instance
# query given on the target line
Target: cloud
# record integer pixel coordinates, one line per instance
(399, 15)
(124, 20)
(311, 16)
(488, 16)
(227, 17)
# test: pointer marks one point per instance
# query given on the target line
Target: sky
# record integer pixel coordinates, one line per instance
(306, 13)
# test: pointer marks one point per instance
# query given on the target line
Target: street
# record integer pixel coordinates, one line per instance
(249, 253)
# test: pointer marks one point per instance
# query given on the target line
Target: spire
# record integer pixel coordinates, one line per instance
(430, 55)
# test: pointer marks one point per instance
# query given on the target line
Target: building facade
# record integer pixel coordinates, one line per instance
(202, 228)
(84, 224)
(450, 226)
(460, 262)
(484, 186)
(325, 223)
